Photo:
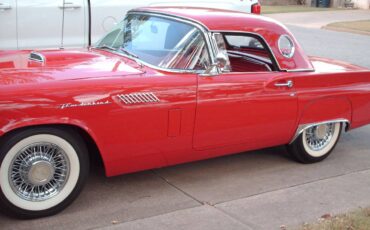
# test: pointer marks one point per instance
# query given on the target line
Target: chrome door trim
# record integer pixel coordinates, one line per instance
(300, 70)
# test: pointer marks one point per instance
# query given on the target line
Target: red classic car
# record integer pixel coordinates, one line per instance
(166, 86)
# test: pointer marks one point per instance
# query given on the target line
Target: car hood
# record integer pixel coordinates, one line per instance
(16, 67)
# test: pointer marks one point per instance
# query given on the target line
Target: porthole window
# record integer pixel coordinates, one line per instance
(286, 46)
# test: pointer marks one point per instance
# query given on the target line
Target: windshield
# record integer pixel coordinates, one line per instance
(159, 41)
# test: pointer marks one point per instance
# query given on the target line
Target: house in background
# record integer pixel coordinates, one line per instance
(360, 4)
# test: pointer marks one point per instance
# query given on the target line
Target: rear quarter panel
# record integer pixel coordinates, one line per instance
(328, 96)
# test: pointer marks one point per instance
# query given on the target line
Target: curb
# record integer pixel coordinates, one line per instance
(333, 28)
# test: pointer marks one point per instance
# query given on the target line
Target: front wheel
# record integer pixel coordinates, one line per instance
(315, 143)
(42, 171)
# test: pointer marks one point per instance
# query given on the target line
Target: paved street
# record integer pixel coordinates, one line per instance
(316, 20)
(254, 190)
(352, 48)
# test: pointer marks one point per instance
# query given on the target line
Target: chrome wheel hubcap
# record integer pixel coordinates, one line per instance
(318, 137)
(39, 171)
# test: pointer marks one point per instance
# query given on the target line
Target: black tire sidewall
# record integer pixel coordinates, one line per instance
(72, 138)
(300, 154)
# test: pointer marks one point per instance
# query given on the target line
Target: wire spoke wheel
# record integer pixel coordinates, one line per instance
(319, 140)
(318, 137)
(316, 142)
(42, 170)
(39, 171)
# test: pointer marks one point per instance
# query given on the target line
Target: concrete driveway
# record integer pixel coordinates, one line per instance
(317, 20)
(253, 190)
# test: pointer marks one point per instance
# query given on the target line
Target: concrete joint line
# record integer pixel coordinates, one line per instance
(245, 223)
(177, 188)
(294, 186)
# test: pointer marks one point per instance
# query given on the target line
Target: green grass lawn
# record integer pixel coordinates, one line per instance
(292, 8)
(357, 220)
(354, 25)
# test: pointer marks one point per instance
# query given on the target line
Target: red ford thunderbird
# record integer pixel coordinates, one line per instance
(166, 86)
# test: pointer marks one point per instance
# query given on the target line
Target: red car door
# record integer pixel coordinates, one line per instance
(253, 109)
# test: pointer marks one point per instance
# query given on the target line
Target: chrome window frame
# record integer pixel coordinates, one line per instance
(291, 54)
(207, 34)
(264, 43)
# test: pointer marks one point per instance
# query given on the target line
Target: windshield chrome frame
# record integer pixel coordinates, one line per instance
(204, 30)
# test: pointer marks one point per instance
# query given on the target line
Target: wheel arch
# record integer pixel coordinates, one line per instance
(88, 137)
(303, 127)
(324, 110)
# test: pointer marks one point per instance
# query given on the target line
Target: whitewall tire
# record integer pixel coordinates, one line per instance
(315, 143)
(42, 170)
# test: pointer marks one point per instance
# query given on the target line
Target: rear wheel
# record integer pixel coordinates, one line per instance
(315, 143)
(42, 171)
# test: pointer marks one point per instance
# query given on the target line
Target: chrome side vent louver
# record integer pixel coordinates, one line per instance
(34, 56)
(136, 98)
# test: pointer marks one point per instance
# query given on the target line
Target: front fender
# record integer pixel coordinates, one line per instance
(10, 125)
(13, 124)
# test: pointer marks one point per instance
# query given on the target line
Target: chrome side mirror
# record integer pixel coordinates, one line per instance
(221, 60)
(217, 67)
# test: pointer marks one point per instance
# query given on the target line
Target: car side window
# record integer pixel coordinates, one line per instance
(246, 53)
(243, 41)
(114, 38)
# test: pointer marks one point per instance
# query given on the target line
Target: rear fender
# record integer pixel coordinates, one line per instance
(328, 108)
(324, 110)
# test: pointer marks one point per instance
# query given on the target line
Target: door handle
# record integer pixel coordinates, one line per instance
(288, 84)
(5, 6)
(70, 5)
